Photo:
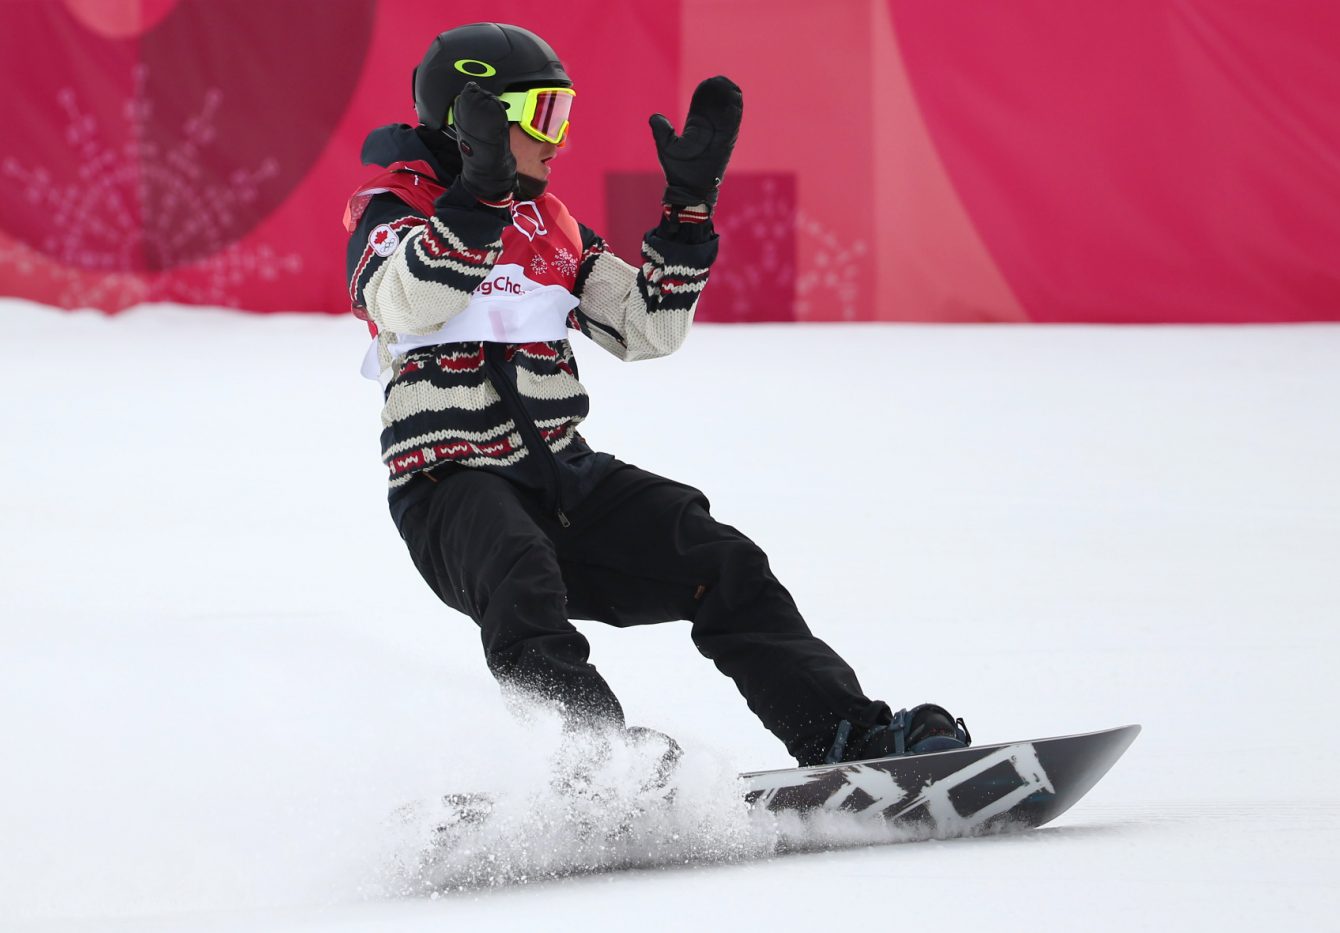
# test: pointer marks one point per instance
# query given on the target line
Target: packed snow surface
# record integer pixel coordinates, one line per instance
(227, 702)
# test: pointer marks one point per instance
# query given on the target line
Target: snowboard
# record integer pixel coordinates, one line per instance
(961, 792)
(980, 790)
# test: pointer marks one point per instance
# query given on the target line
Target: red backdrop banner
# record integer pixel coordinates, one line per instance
(1173, 161)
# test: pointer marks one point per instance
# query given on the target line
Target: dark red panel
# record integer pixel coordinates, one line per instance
(754, 278)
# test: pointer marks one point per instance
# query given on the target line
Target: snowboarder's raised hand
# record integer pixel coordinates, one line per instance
(695, 161)
(488, 169)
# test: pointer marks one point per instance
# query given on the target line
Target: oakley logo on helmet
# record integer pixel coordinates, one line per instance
(496, 55)
(474, 68)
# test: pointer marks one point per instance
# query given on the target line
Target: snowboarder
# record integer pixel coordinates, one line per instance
(470, 275)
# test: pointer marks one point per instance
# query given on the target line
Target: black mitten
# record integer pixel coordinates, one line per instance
(488, 170)
(695, 161)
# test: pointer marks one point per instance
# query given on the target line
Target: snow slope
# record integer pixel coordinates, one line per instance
(220, 673)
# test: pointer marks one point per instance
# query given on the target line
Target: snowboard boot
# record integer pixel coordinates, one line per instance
(915, 731)
(579, 766)
(612, 780)
(664, 766)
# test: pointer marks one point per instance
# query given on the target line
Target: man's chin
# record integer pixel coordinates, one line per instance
(529, 188)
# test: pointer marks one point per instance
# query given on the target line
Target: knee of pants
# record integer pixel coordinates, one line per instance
(742, 575)
(516, 575)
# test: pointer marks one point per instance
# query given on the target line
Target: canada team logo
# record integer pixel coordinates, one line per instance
(383, 240)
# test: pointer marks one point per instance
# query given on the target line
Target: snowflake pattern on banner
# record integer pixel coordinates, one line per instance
(538, 266)
(210, 282)
(833, 271)
(113, 258)
(755, 224)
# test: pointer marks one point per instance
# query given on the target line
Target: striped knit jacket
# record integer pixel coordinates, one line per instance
(471, 306)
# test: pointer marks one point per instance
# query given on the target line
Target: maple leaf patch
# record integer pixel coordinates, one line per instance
(383, 240)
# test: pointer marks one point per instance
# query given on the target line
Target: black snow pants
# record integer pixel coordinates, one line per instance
(640, 549)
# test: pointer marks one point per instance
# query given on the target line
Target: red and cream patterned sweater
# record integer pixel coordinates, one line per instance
(471, 305)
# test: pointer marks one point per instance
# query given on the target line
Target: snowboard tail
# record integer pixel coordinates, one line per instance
(960, 792)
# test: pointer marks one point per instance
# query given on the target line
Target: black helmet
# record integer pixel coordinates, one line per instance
(496, 56)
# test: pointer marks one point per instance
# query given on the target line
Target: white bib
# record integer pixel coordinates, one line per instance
(507, 307)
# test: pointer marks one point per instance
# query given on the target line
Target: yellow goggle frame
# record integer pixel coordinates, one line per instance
(542, 112)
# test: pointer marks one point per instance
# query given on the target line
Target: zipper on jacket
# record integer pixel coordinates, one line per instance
(530, 434)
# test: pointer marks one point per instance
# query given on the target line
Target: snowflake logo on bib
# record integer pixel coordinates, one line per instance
(565, 262)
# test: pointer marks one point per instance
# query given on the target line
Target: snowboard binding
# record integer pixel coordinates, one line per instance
(915, 731)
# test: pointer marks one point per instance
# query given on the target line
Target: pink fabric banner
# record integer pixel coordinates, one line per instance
(1172, 161)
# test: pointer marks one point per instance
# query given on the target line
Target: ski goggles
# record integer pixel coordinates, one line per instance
(542, 111)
